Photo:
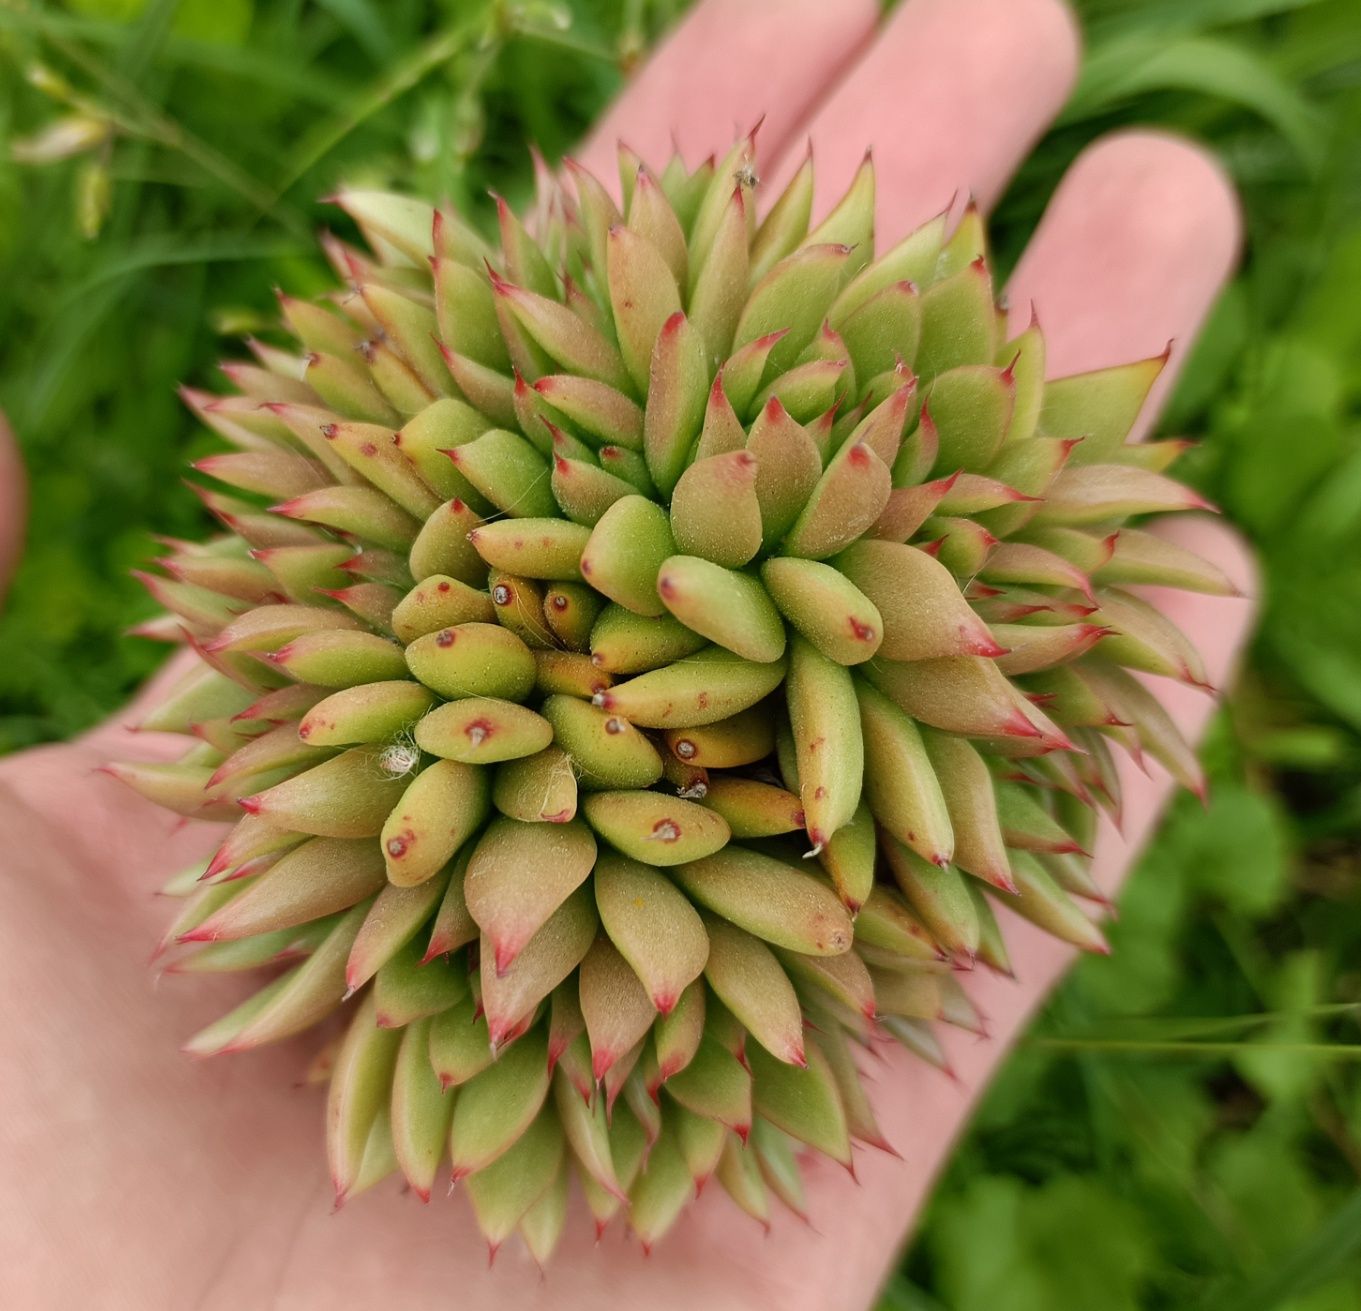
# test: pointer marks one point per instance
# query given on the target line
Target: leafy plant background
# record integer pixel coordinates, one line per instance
(1183, 1126)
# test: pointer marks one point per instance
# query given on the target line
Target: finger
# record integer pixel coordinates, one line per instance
(13, 505)
(1218, 626)
(920, 1110)
(1132, 251)
(726, 65)
(950, 97)
(1137, 242)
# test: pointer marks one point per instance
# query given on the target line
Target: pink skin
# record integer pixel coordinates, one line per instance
(136, 1177)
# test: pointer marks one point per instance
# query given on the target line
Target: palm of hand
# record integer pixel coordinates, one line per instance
(140, 1178)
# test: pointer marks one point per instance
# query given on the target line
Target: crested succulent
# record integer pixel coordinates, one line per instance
(642, 652)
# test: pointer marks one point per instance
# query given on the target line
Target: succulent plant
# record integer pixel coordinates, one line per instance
(642, 653)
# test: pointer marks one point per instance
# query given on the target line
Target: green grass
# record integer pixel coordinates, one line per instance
(1183, 1127)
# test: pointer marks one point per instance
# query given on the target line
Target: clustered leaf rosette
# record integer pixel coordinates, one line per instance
(644, 652)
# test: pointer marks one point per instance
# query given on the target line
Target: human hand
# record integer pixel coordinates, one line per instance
(138, 1178)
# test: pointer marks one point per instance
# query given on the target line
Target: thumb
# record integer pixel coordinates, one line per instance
(13, 505)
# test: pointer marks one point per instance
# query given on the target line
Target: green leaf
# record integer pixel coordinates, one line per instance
(1329, 1253)
(1209, 66)
(1002, 1246)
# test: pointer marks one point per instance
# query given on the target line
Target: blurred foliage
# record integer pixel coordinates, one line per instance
(223, 123)
(1183, 1126)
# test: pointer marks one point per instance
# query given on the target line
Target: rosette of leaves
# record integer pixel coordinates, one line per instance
(641, 653)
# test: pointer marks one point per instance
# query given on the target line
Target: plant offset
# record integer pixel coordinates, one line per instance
(641, 655)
